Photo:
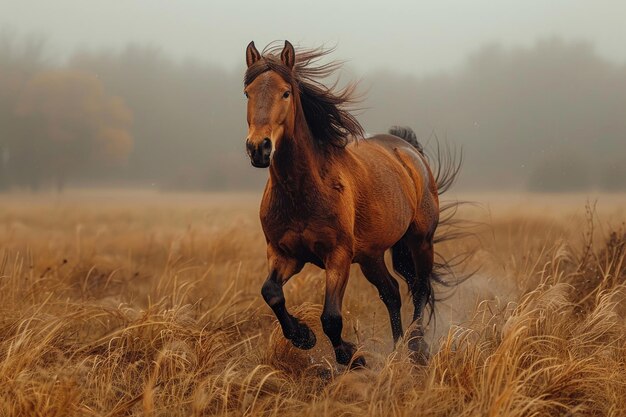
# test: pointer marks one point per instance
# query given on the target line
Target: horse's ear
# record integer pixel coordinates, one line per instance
(288, 55)
(252, 55)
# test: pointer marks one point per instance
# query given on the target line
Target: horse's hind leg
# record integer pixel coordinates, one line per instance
(376, 272)
(423, 256)
(402, 261)
(413, 258)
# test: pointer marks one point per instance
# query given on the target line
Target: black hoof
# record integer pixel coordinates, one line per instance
(344, 354)
(420, 352)
(358, 363)
(303, 338)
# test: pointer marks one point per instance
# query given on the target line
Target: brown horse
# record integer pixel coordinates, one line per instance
(333, 200)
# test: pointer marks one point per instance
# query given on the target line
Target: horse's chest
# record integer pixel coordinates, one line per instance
(300, 238)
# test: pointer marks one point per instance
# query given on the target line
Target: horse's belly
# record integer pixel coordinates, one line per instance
(384, 215)
(382, 231)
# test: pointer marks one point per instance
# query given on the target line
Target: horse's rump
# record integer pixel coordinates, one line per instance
(393, 189)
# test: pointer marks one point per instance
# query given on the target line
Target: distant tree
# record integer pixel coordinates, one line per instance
(189, 118)
(510, 107)
(20, 59)
(524, 115)
(69, 123)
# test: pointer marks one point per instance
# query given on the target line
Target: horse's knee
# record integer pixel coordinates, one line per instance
(272, 293)
(332, 324)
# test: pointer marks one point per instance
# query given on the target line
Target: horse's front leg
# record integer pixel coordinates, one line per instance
(281, 268)
(337, 273)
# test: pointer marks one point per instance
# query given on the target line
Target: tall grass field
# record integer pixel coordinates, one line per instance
(118, 303)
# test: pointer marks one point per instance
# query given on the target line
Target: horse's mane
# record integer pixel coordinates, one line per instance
(326, 109)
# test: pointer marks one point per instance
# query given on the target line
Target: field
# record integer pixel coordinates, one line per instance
(120, 303)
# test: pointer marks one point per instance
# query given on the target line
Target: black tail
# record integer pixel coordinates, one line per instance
(407, 134)
(447, 161)
(445, 164)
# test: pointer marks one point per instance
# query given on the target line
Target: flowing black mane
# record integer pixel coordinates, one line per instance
(326, 109)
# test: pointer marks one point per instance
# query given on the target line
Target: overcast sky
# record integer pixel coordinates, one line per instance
(409, 36)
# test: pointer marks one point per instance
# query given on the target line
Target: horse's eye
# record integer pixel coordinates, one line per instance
(286, 94)
(245, 93)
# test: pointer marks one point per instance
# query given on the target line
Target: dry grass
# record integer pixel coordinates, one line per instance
(138, 304)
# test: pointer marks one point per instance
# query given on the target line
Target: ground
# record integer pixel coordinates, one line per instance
(141, 303)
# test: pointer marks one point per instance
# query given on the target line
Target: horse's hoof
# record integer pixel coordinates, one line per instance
(419, 350)
(304, 338)
(344, 353)
(358, 363)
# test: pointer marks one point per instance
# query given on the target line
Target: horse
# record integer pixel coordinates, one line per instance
(334, 197)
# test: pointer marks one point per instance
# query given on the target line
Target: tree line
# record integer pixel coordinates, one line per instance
(548, 117)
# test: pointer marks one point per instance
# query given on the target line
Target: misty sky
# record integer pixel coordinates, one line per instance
(408, 36)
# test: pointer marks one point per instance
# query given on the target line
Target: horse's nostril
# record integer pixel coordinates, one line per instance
(267, 144)
(249, 148)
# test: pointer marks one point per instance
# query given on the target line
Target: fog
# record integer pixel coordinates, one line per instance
(149, 94)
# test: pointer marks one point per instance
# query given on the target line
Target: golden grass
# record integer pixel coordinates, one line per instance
(127, 303)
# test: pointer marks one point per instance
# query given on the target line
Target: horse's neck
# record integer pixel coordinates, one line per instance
(296, 166)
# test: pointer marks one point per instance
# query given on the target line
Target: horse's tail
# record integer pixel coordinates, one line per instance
(447, 161)
(408, 135)
(445, 164)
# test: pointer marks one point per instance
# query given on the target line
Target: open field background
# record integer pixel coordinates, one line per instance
(139, 303)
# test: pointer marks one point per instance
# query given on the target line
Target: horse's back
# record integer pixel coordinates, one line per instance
(397, 150)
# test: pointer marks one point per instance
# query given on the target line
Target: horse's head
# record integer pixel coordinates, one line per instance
(271, 103)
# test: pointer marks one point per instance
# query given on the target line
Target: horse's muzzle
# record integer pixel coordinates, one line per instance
(260, 154)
